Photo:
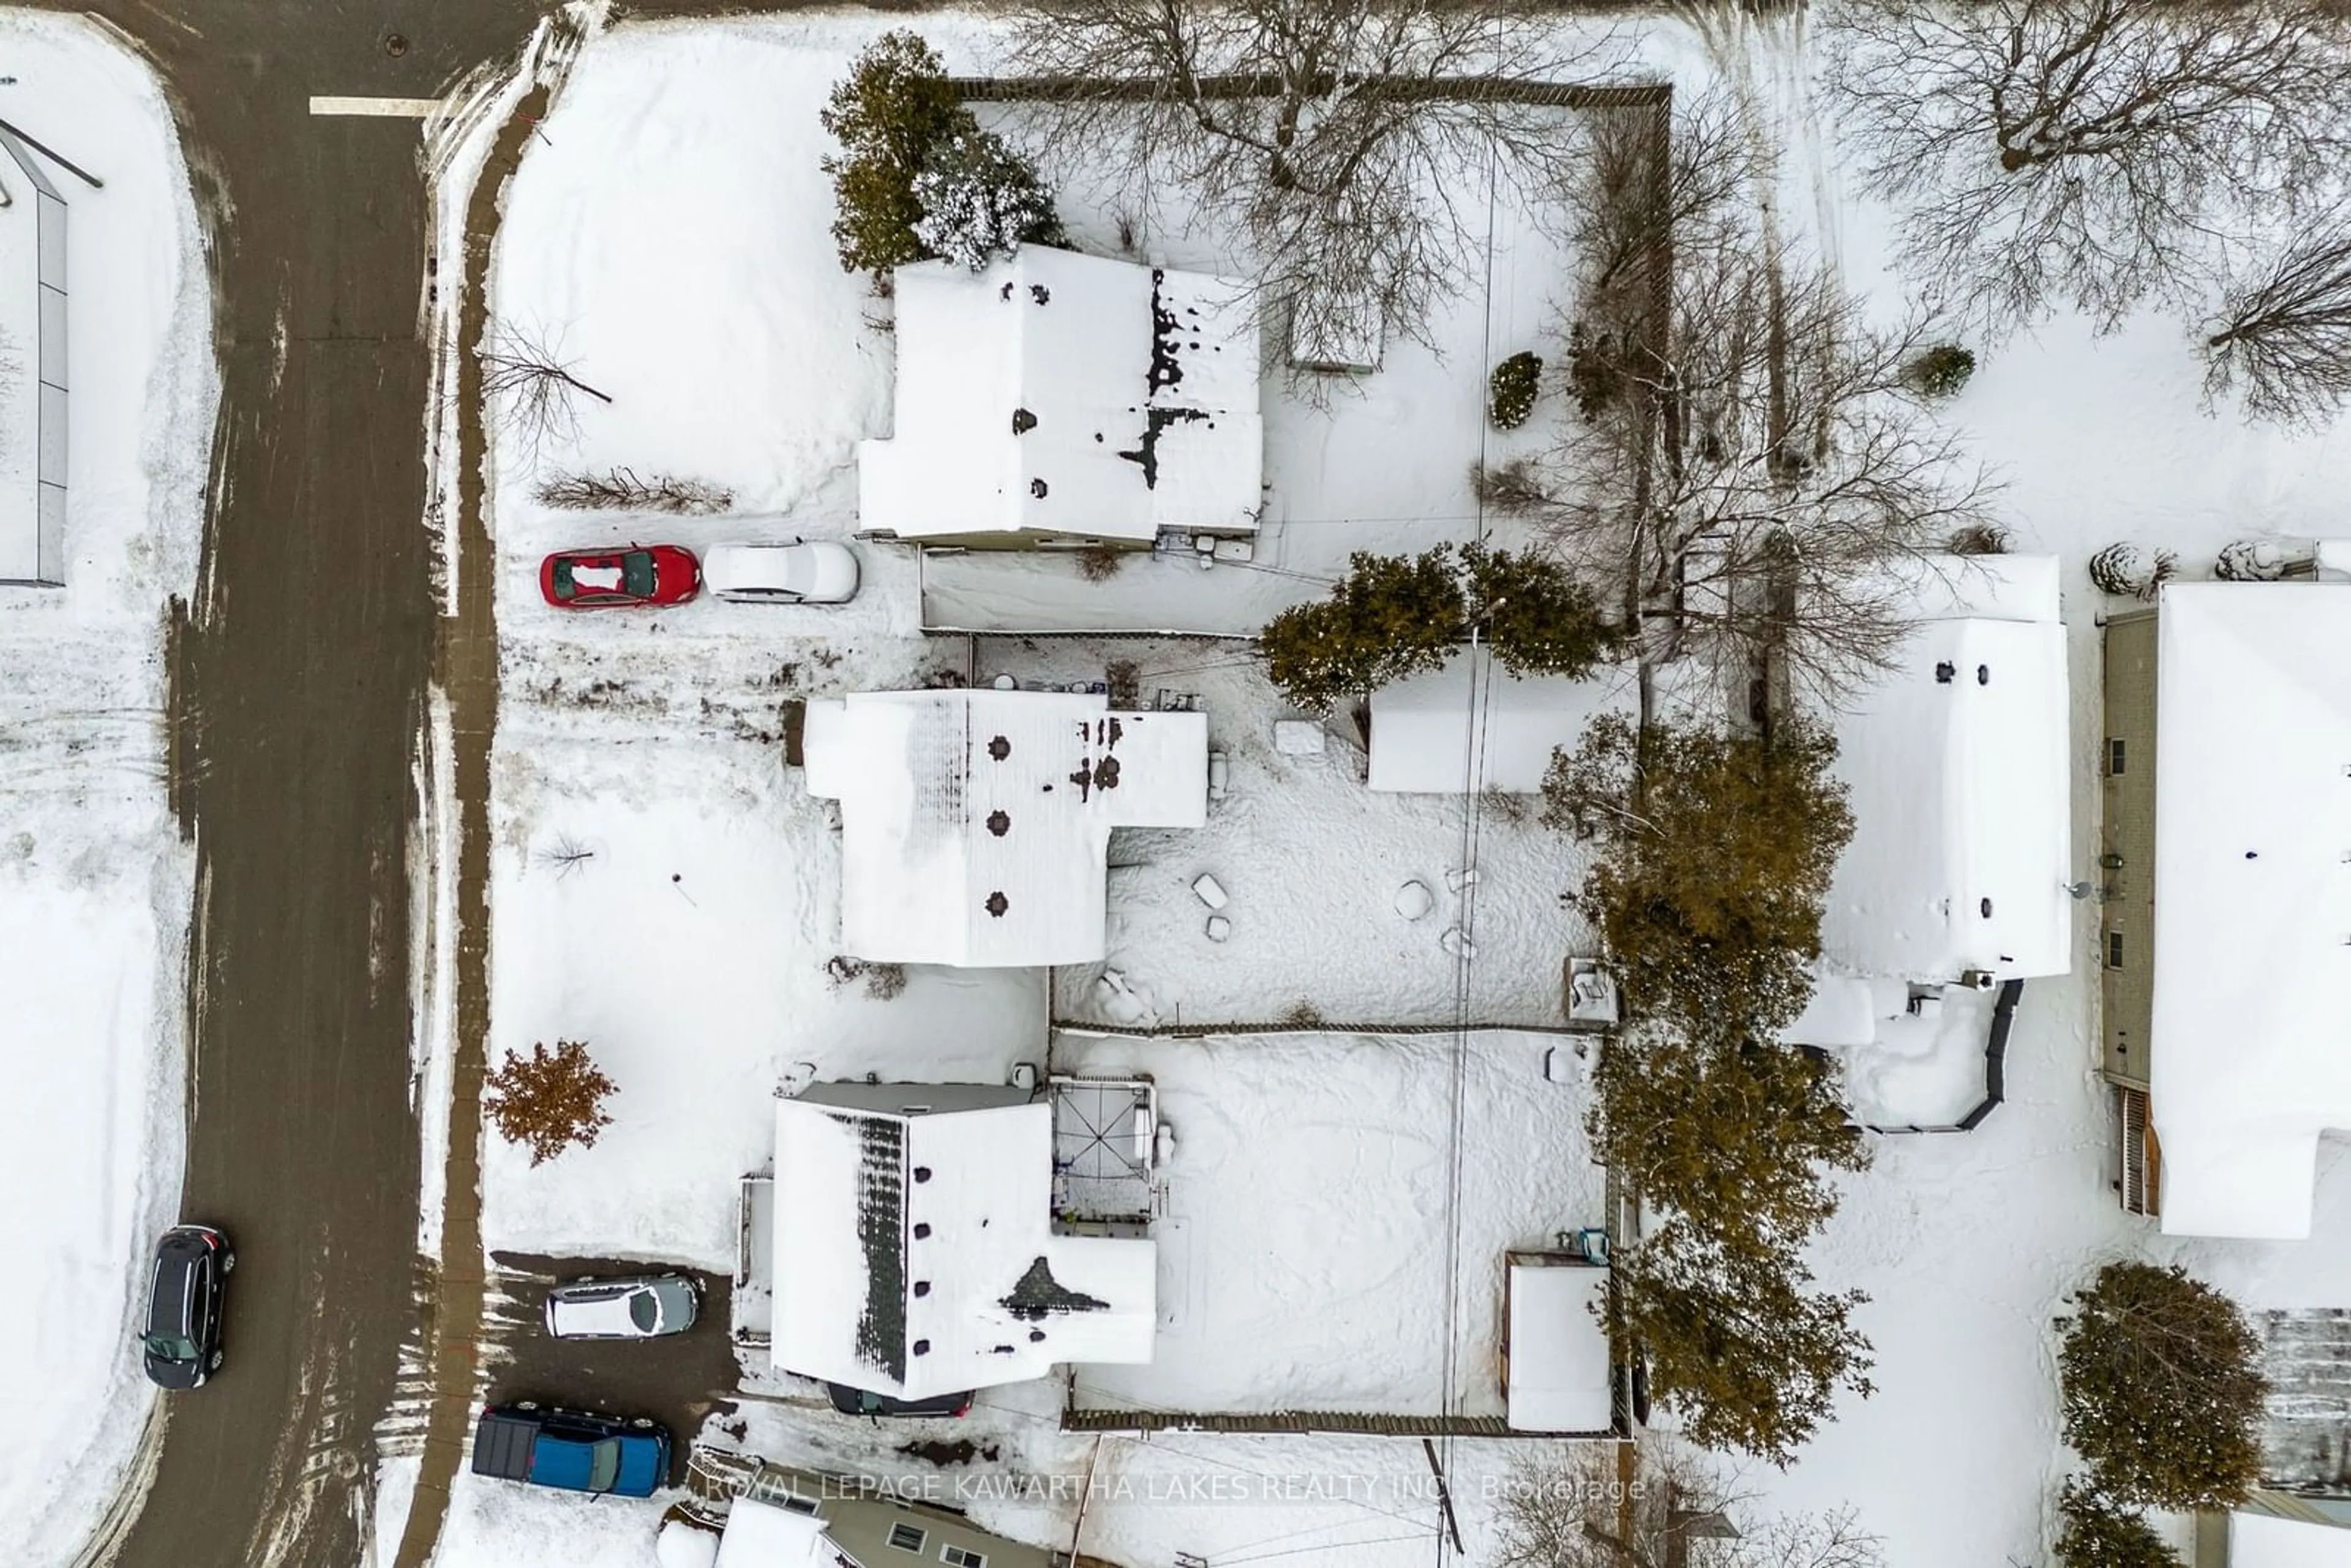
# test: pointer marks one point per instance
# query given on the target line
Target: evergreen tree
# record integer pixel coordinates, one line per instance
(1716, 852)
(888, 114)
(1739, 1348)
(1390, 617)
(981, 200)
(1537, 620)
(2099, 1533)
(1733, 1134)
(2163, 1389)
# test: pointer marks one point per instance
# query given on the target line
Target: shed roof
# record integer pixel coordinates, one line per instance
(1070, 393)
(2261, 1540)
(1957, 767)
(1560, 1363)
(916, 1254)
(975, 824)
(762, 1535)
(1474, 726)
(2248, 1058)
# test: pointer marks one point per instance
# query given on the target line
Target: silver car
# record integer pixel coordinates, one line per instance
(622, 1309)
(788, 571)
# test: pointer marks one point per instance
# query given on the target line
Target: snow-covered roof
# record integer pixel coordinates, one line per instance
(1957, 767)
(2265, 1541)
(1559, 1360)
(1473, 725)
(1068, 393)
(975, 824)
(763, 1535)
(33, 394)
(2249, 1056)
(916, 1254)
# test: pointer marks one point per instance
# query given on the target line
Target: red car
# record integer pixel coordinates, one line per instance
(639, 574)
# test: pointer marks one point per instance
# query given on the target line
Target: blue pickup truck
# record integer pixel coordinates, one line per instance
(571, 1449)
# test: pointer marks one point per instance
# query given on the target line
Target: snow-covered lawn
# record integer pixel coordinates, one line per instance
(1318, 1250)
(95, 884)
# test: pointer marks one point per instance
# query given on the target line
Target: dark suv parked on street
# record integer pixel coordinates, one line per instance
(181, 1336)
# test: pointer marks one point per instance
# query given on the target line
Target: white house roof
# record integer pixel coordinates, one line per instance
(914, 1254)
(1474, 726)
(1957, 767)
(1070, 393)
(2261, 1540)
(762, 1535)
(2250, 1058)
(975, 824)
(1559, 1355)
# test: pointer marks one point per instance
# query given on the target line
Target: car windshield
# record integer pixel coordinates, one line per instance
(605, 1467)
(644, 1312)
(637, 573)
(170, 1347)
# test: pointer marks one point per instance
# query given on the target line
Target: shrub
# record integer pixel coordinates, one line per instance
(2098, 1533)
(980, 200)
(2163, 1389)
(549, 1101)
(1512, 488)
(1942, 369)
(1716, 853)
(1100, 563)
(1516, 383)
(624, 489)
(1537, 620)
(890, 113)
(1390, 617)
(1979, 538)
(1595, 371)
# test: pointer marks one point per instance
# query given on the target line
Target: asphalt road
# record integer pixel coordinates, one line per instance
(299, 686)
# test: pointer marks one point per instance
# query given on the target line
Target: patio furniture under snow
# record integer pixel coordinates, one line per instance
(915, 1248)
(975, 824)
(1473, 725)
(1066, 396)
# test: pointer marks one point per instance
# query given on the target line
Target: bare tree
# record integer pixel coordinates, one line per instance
(1348, 144)
(2085, 152)
(530, 385)
(1647, 1504)
(1753, 474)
(2283, 334)
(624, 489)
(548, 1100)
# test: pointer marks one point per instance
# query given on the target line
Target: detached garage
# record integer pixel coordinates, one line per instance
(1558, 1367)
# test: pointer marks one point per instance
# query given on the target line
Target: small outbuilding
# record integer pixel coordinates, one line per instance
(1058, 398)
(1473, 725)
(32, 370)
(1558, 1373)
(915, 1248)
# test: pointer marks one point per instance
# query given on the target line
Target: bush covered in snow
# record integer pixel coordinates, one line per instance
(888, 114)
(2099, 1533)
(1512, 390)
(548, 1100)
(1395, 616)
(2163, 1389)
(979, 199)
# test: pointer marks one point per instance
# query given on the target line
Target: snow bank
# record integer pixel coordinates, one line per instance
(498, 1523)
(95, 884)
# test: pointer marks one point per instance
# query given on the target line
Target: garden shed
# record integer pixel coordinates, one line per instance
(1558, 1370)
(32, 370)
(1055, 397)
(975, 824)
(1473, 725)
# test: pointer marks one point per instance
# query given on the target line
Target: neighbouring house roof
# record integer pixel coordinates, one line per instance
(1068, 393)
(33, 382)
(2261, 1541)
(1957, 765)
(916, 1254)
(1474, 726)
(2248, 1058)
(975, 824)
(762, 1535)
(1560, 1371)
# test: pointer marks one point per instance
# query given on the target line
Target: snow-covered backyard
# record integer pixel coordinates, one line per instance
(664, 888)
(95, 883)
(1337, 1210)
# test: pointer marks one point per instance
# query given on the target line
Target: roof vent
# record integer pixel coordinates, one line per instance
(922, 1287)
(922, 1173)
(1005, 292)
(997, 904)
(1041, 294)
(921, 1347)
(922, 1231)
(999, 822)
(1945, 673)
(999, 748)
(1983, 675)
(1037, 488)
(1036, 1336)
(1983, 907)
(1023, 422)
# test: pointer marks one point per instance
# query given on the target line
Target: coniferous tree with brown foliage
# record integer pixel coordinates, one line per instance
(549, 1101)
(2163, 1389)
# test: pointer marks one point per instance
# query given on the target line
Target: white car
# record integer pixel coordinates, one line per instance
(622, 1309)
(790, 571)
